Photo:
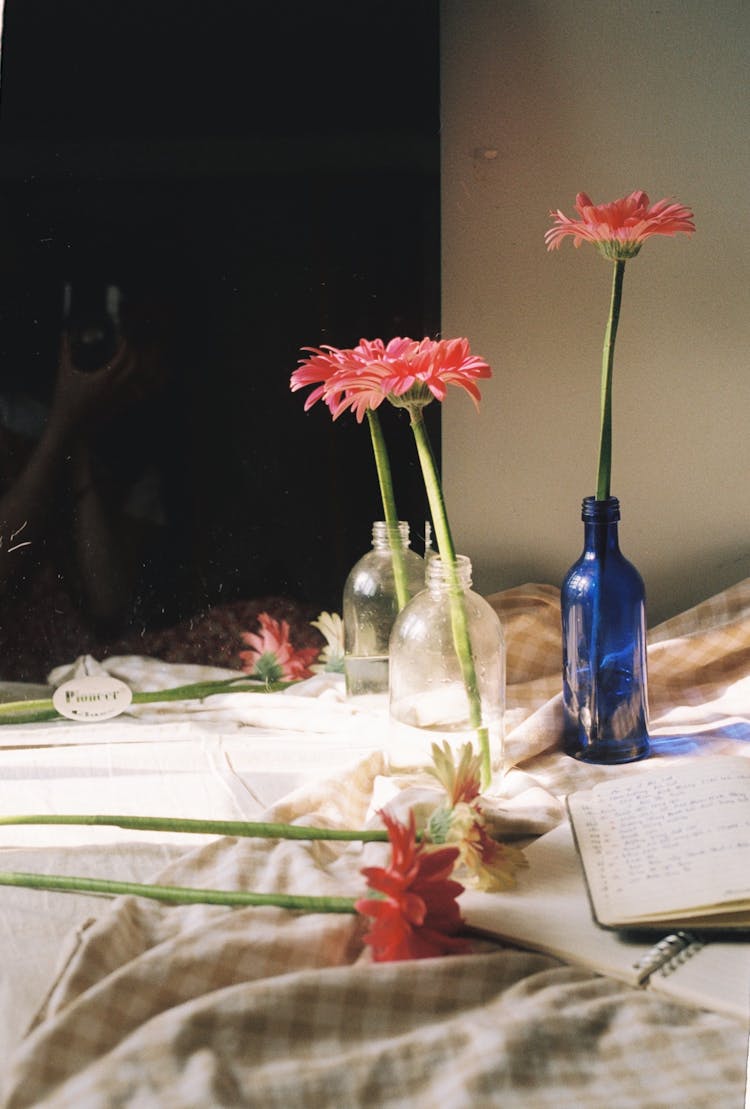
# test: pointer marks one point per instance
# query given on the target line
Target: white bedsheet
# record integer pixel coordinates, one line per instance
(230, 1007)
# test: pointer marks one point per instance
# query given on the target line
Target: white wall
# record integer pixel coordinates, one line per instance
(540, 100)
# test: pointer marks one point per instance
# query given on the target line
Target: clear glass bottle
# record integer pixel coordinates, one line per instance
(605, 684)
(429, 692)
(371, 605)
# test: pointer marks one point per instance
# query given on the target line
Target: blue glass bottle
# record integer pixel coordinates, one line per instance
(605, 685)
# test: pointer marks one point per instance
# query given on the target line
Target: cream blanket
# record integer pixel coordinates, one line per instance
(199, 1006)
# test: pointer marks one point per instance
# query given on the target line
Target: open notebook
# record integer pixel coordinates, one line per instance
(550, 912)
(670, 848)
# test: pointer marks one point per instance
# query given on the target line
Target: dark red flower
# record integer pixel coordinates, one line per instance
(417, 916)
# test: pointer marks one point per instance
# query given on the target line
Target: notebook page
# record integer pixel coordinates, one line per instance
(675, 839)
(549, 911)
(720, 970)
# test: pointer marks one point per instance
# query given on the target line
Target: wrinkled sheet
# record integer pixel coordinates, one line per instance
(200, 1006)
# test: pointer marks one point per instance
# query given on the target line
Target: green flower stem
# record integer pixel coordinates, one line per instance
(28, 712)
(178, 895)
(36, 711)
(459, 620)
(258, 829)
(604, 470)
(383, 466)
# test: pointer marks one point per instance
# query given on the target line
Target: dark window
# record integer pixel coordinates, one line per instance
(261, 176)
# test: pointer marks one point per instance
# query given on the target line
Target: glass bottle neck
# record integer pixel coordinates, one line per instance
(387, 536)
(600, 525)
(600, 537)
(438, 575)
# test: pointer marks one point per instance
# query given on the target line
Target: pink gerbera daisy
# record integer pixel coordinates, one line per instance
(619, 229)
(404, 371)
(271, 655)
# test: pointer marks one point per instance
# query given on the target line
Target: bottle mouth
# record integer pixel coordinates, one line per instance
(600, 512)
(384, 534)
(438, 573)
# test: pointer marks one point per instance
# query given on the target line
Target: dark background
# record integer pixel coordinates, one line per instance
(268, 175)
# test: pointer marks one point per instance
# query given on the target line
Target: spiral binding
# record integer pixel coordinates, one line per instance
(667, 955)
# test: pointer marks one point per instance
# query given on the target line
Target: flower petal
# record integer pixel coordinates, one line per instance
(418, 916)
(363, 377)
(621, 227)
(272, 656)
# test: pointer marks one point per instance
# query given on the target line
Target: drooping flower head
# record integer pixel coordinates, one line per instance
(404, 371)
(272, 657)
(489, 865)
(619, 229)
(461, 782)
(417, 915)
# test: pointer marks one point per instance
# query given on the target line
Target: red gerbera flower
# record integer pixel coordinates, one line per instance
(418, 915)
(404, 371)
(619, 229)
(272, 657)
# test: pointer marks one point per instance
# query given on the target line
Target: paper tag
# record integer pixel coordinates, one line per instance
(97, 697)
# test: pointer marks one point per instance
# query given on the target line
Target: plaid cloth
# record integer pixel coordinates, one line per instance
(200, 1006)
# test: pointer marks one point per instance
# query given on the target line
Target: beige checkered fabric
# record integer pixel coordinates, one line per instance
(199, 1006)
